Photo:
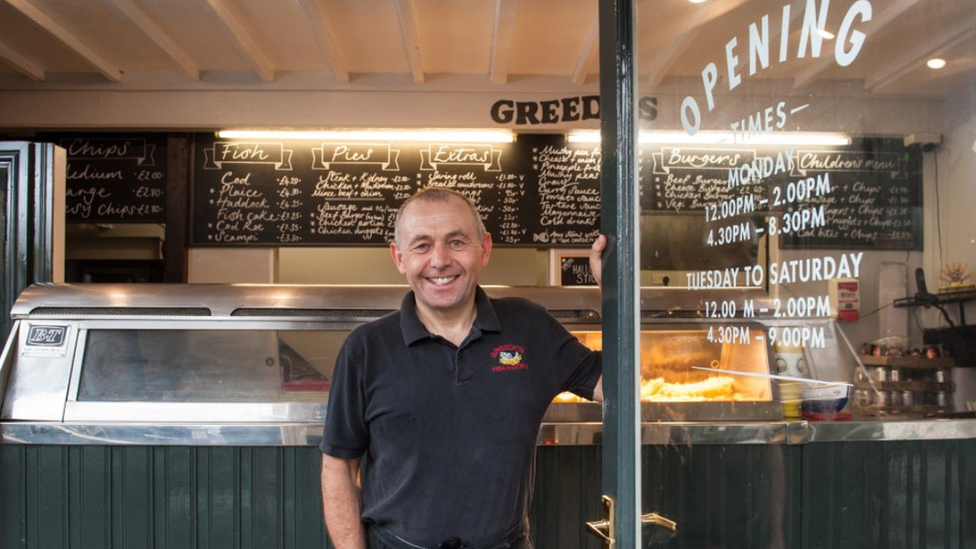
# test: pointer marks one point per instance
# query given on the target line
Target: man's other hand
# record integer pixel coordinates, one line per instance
(596, 258)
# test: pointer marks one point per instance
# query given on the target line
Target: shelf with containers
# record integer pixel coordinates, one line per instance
(904, 385)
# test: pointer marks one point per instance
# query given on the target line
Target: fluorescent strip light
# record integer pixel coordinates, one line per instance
(451, 136)
(723, 138)
(800, 138)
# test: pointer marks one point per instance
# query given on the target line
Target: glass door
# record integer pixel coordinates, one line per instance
(778, 178)
(619, 524)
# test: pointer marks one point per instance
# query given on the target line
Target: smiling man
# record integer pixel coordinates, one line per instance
(441, 401)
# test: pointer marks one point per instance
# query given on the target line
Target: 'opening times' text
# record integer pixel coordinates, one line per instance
(789, 211)
(789, 336)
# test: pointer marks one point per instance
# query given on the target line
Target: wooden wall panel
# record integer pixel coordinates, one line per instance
(909, 494)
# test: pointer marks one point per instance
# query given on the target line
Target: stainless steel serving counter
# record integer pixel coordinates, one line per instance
(551, 434)
(781, 432)
(205, 365)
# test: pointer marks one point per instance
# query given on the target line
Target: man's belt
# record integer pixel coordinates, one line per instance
(509, 540)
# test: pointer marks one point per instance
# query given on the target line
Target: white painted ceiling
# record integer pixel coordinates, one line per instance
(188, 43)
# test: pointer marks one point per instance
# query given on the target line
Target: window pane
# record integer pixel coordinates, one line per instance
(208, 365)
(800, 162)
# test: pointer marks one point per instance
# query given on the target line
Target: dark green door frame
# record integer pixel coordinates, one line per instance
(28, 171)
(619, 221)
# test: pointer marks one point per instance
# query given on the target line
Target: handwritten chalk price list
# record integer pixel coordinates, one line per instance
(569, 193)
(511, 189)
(290, 203)
(115, 179)
(243, 203)
(538, 192)
(875, 201)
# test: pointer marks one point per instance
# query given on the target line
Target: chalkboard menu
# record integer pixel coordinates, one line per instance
(115, 178)
(875, 197)
(544, 192)
(539, 191)
(866, 195)
(688, 178)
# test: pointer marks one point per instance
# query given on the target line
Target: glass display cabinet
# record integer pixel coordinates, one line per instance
(198, 364)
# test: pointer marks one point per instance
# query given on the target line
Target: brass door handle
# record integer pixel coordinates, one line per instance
(601, 529)
(604, 528)
(658, 520)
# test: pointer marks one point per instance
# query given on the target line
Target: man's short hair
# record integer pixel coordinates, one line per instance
(439, 194)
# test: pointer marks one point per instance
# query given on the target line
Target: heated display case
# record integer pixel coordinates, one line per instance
(199, 364)
(688, 373)
(177, 364)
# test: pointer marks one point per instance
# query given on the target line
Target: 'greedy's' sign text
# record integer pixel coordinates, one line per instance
(567, 109)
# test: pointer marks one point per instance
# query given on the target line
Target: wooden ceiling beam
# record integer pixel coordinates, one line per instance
(501, 40)
(911, 58)
(682, 35)
(811, 73)
(411, 39)
(155, 32)
(21, 63)
(665, 59)
(318, 23)
(72, 42)
(585, 58)
(244, 38)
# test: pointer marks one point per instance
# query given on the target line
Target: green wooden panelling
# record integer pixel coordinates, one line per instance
(89, 497)
(13, 496)
(220, 505)
(913, 494)
(265, 498)
(132, 503)
(889, 494)
(306, 517)
(175, 473)
(159, 497)
(47, 498)
(720, 496)
(567, 494)
(967, 492)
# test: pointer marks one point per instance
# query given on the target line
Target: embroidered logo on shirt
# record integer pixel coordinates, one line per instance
(509, 358)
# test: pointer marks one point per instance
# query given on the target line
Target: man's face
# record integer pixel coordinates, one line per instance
(440, 254)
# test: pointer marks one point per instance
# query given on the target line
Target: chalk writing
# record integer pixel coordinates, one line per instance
(114, 179)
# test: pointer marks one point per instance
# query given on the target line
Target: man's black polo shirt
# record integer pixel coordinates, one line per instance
(448, 434)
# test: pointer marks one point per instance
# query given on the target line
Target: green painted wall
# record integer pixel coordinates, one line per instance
(911, 494)
(159, 497)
